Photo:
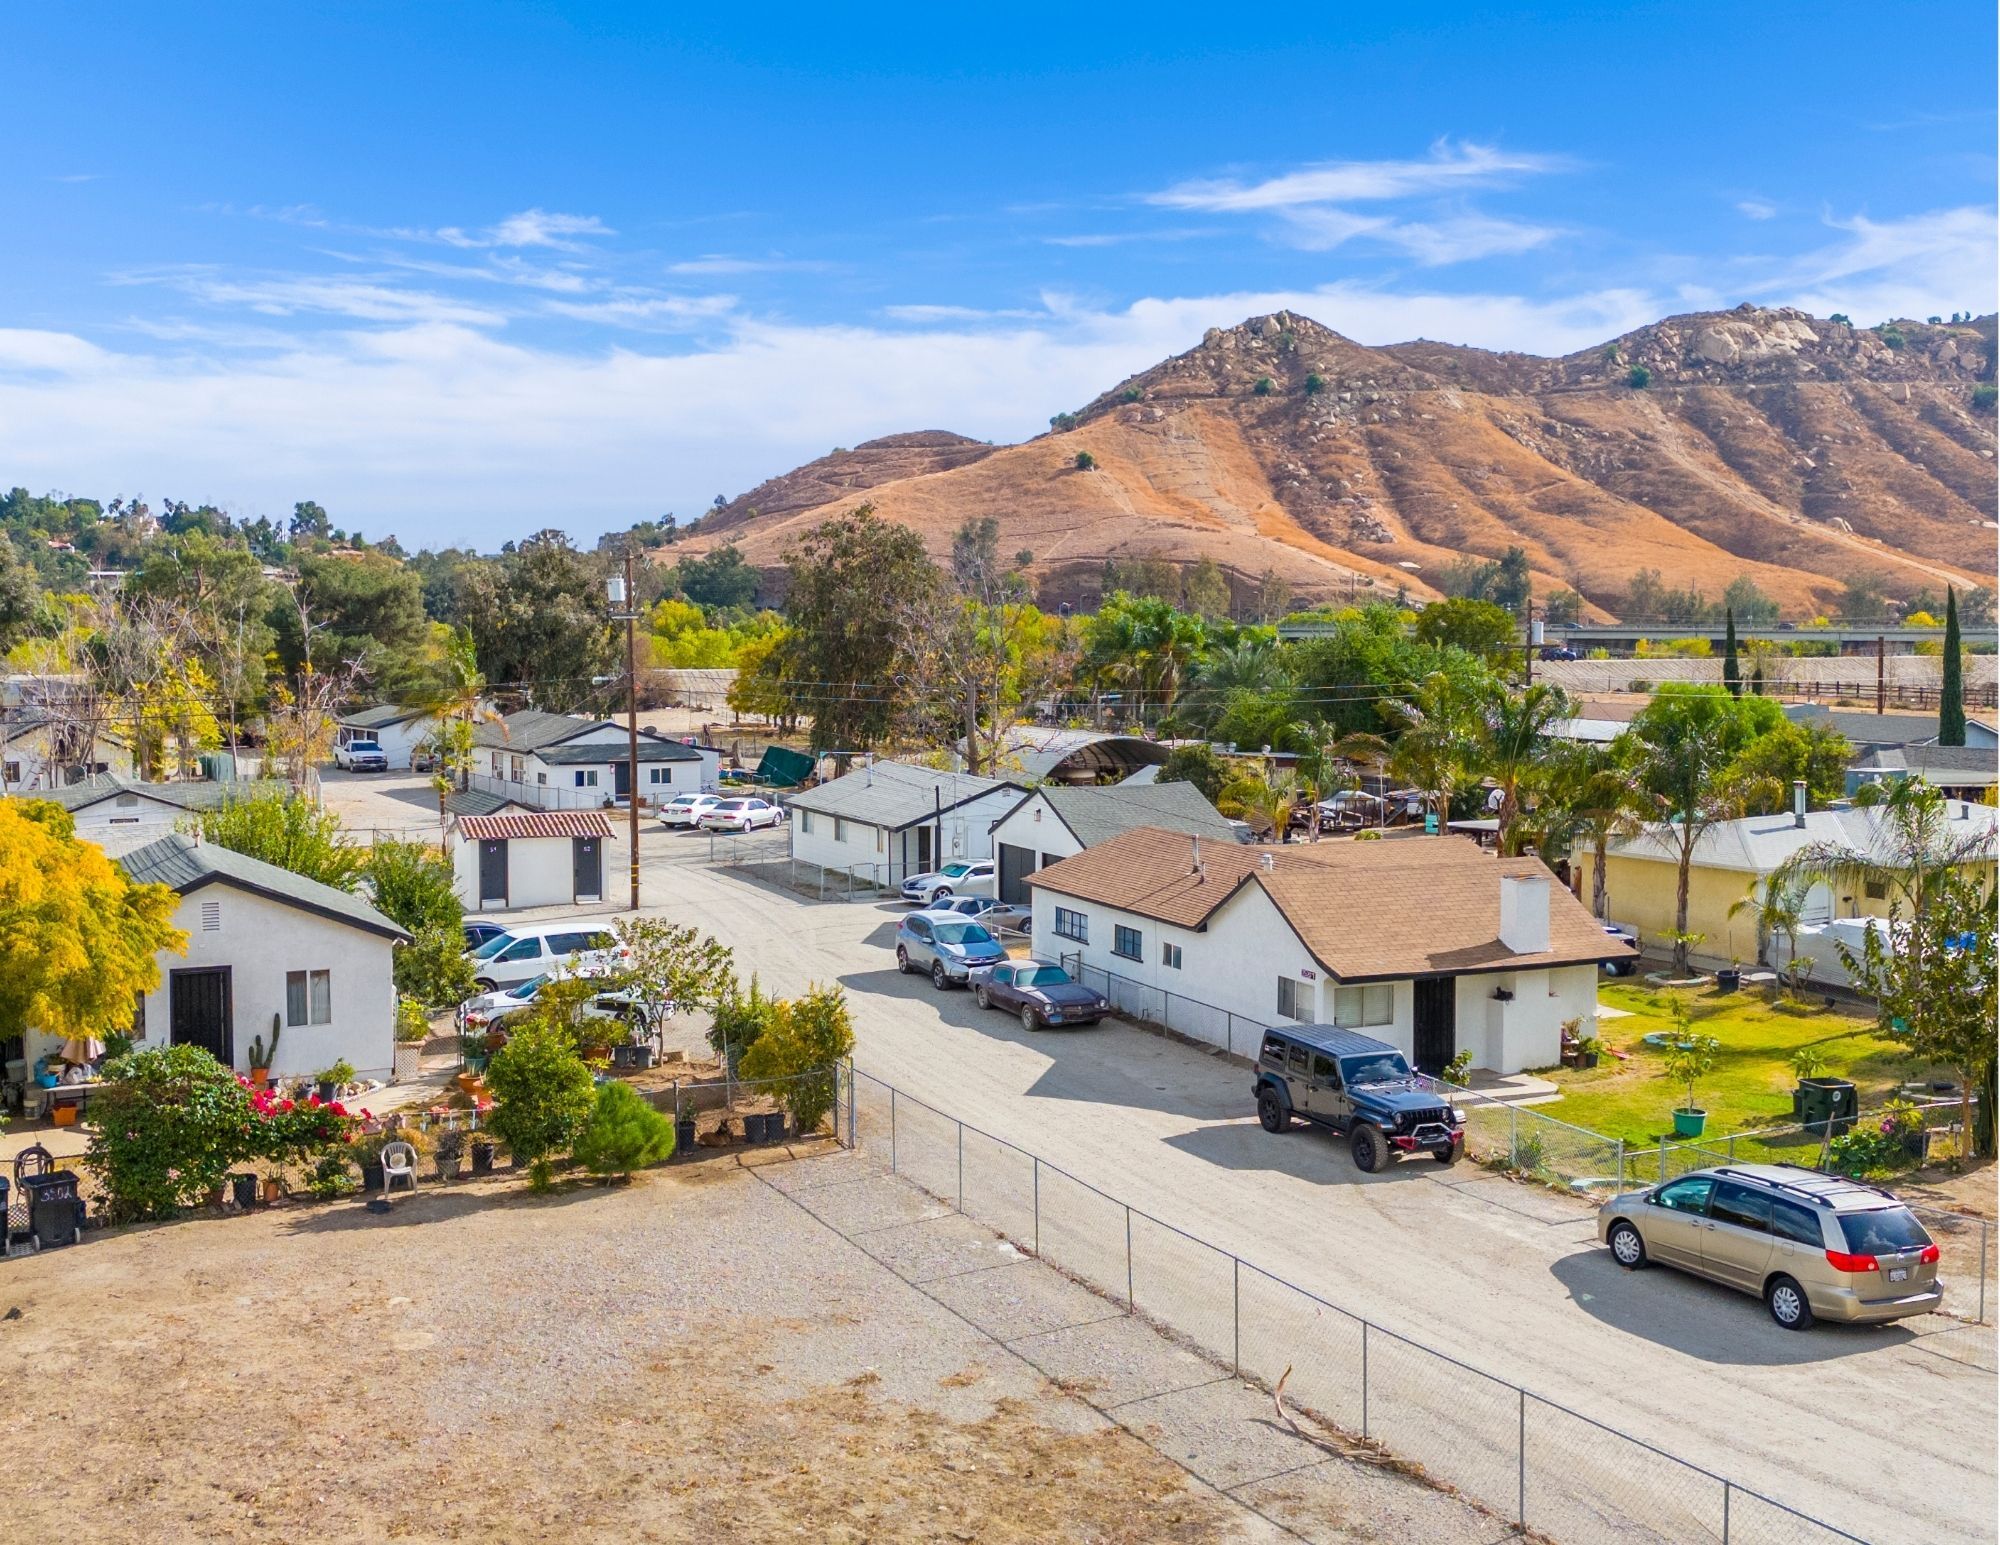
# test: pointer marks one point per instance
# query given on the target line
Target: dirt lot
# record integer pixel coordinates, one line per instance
(691, 1356)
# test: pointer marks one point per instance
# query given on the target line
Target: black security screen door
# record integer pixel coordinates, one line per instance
(199, 1012)
(493, 873)
(587, 859)
(1436, 1022)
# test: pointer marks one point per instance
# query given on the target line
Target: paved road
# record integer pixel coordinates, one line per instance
(1888, 1432)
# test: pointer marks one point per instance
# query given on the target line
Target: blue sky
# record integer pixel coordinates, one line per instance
(458, 271)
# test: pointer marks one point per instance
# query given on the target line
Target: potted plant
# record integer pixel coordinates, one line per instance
(684, 1133)
(1688, 1061)
(243, 1190)
(449, 1152)
(413, 1028)
(1588, 1050)
(1730, 977)
(333, 1079)
(274, 1189)
(482, 1154)
(262, 1056)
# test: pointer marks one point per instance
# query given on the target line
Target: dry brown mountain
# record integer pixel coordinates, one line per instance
(1766, 443)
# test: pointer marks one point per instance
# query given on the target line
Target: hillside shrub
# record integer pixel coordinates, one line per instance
(806, 1038)
(1985, 396)
(1315, 384)
(1639, 378)
(165, 1127)
(624, 1133)
(543, 1094)
(1131, 394)
(1265, 386)
(1085, 462)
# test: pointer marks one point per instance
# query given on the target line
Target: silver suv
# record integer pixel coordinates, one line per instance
(1810, 1245)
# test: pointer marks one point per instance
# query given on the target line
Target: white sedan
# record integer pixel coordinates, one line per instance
(688, 809)
(960, 877)
(739, 815)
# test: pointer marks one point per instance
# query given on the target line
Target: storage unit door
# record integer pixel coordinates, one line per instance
(1016, 864)
(493, 873)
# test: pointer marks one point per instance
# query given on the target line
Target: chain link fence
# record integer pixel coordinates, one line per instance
(1529, 1459)
(767, 856)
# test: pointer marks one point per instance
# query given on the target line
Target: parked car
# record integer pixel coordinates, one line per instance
(493, 1010)
(687, 809)
(947, 947)
(977, 907)
(1358, 1086)
(1629, 964)
(1040, 992)
(361, 754)
(739, 814)
(1812, 1246)
(527, 950)
(1008, 917)
(479, 929)
(960, 877)
(1558, 652)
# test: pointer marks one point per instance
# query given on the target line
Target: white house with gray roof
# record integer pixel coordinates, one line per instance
(265, 945)
(120, 814)
(398, 730)
(553, 761)
(888, 820)
(1054, 822)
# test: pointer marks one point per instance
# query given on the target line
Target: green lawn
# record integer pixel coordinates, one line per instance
(1751, 1086)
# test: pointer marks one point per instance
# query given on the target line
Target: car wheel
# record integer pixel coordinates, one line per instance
(1627, 1248)
(942, 893)
(979, 997)
(938, 979)
(1030, 1020)
(484, 984)
(1271, 1112)
(1447, 1156)
(1368, 1148)
(1787, 1302)
(902, 960)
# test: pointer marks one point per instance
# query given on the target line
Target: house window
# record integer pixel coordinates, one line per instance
(308, 997)
(586, 777)
(1072, 925)
(211, 917)
(1170, 956)
(1354, 1007)
(1875, 890)
(1127, 942)
(806, 822)
(1294, 999)
(839, 829)
(542, 779)
(659, 775)
(518, 765)
(498, 770)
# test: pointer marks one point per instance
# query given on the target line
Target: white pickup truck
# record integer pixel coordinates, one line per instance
(360, 754)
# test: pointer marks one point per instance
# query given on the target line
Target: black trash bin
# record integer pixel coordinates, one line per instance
(55, 1211)
(1828, 1106)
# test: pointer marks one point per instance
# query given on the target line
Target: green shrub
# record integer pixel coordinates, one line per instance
(624, 1133)
(1085, 462)
(1638, 378)
(1892, 336)
(413, 885)
(740, 1018)
(413, 1025)
(433, 969)
(804, 1041)
(1062, 421)
(1265, 386)
(332, 1178)
(543, 1095)
(1315, 384)
(1984, 396)
(1131, 394)
(165, 1128)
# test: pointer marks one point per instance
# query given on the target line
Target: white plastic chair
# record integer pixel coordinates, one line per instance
(399, 1160)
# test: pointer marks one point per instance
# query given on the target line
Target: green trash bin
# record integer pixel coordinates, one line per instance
(1828, 1106)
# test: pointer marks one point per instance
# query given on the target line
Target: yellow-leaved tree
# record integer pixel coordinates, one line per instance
(77, 937)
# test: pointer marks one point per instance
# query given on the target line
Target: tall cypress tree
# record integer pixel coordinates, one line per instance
(1732, 671)
(1951, 700)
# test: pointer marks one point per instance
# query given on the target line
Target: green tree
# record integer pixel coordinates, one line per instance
(1085, 462)
(1512, 585)
(1749, 604)
(623, 1133)
(1732, 668)
(1436, 739)
(366, 610)
(540, 618)
(804, 1043)
(1951, 696)
(840, 655)
(1563, 606)
(1478, 627)
(1511, 735)
(1205, 590)
(1198, 763)
(288, 830)
(674, 964)
(433, 968)
(165, 1126)
(1764, 770)
(720, 577)
(1686, 739)
(1639, 378)
(1589, 793)
(543, 1095)
(20, 596)
(77, 937)
(413, 884)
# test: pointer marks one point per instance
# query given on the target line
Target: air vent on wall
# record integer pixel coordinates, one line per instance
(211, 917)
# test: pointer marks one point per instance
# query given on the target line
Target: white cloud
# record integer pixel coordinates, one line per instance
(1449, 167)
(1756, 208)
(723, 263)
(1433, 243)
(639, 310)
(1938, 262)
(359, 299)
(529, 228)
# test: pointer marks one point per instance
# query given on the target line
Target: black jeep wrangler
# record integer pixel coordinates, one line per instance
(1358, 1085)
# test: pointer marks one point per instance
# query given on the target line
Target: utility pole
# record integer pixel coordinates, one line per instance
(625, 608)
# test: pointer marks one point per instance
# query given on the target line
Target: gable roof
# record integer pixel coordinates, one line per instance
(534, 823)
(192, 795)
(650, 750)
(1095, 815)
(187, 865)
(1865, 729)
(895, 794)
(382, 715)
(1956, 765)
(1758, 844)
(478, 802)
(530, 729)
(1365, 910)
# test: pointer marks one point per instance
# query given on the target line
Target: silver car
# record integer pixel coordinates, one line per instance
(1812, 1246)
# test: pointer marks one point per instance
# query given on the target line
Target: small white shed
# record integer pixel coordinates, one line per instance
(535, 858)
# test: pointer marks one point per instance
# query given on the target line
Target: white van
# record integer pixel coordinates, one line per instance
(529, 950)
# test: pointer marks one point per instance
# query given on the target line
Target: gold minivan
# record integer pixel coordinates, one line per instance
(1812, 1246)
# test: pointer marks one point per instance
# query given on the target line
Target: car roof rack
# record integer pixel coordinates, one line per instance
(1818, 1196)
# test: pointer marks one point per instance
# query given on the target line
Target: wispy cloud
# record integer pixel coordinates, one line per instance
(1943, 260)
(1448, 168)
(1756, 208)
(641, 310)
(77, 177)
(1452, 239)
(358, 299)
(529, 228)
(1124, 238)
(725, 263)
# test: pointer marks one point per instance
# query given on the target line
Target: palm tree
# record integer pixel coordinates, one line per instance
(1588, 794)
(1778, 904)
(1266, 804)
(1511, 734)
(454, 690)
(1911, 857)
(1436, 735)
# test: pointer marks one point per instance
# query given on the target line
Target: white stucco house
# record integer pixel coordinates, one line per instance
(120, 814)
(42, 750)
(1427, 943)
(529, 858)
(563, 762)
(888, 820)
(1055, 822)
(265, 944)
(399, 731)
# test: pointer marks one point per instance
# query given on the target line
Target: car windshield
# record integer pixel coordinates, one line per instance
(1383, 1067)
(1043, 976)
(730, 804)
(962, 933)
(1883, 1231)
(529, 988)
(493, 946)
(953, 871)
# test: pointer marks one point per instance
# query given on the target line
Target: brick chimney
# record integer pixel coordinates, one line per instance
(1524, 913)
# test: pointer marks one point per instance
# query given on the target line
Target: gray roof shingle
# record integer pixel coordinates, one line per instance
(530, 729)
(895, 794)
(193, 795)
(187, 865)
(1095, 815)
(381, 715)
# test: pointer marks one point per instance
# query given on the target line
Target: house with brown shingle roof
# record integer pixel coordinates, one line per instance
(1427, 943)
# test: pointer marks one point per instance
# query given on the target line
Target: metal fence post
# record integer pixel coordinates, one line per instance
(1521, 1479)
(1514, 1136)
(892, 1129)
(1725, 1512)
(852, 1140)
(1236, 1315)
(961, 1166)
(1984, 1232)
(1663, 1161)
(1038, 1208)
(1621, 1166)
(1364, 1378)
(1130, 1306)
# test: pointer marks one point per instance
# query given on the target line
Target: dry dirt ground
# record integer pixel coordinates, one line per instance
(693, 1356)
